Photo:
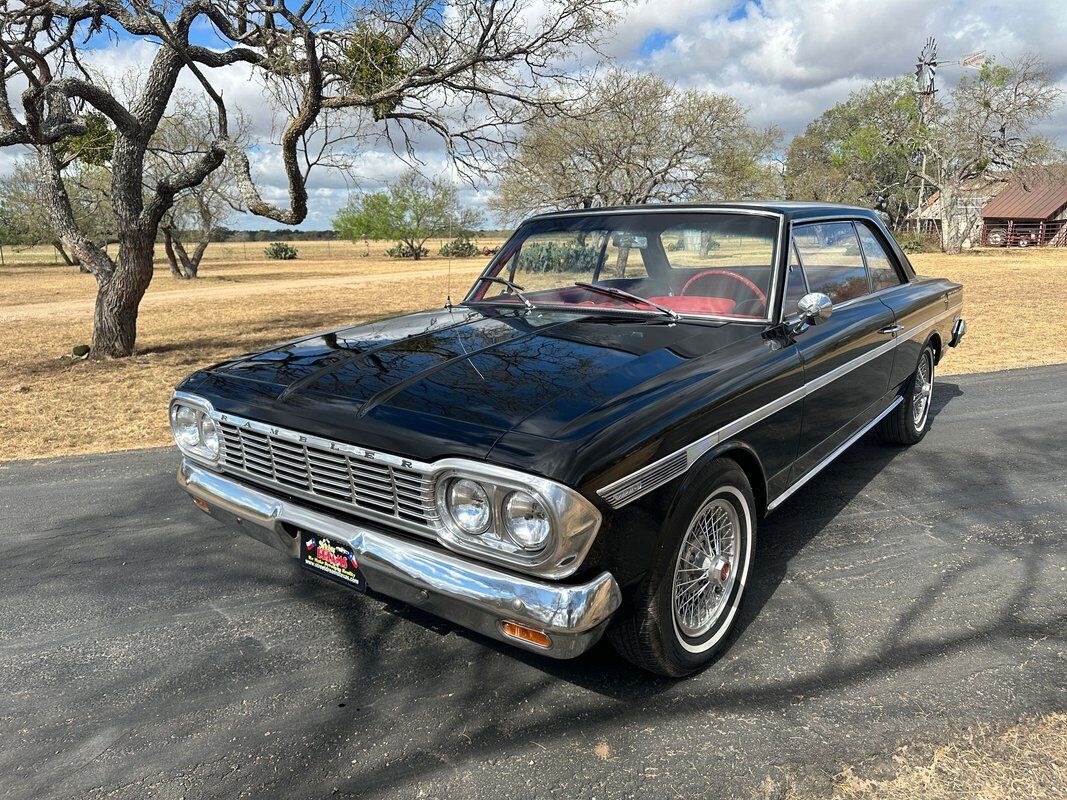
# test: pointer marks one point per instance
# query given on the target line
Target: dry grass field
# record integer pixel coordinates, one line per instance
(55, 405)
(1027, 760)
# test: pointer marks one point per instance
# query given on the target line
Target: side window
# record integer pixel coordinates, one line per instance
(795, 285)
(832, 260)
(883, 273)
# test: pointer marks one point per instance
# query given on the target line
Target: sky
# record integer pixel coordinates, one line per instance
(786, 60)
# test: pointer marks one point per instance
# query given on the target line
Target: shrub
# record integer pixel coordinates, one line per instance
(404, 250)
(460, 247)
(911, 242)
(553, 257)
(280, 251)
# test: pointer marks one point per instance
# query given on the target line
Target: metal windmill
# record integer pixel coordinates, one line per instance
(926, 71)
(926, 88)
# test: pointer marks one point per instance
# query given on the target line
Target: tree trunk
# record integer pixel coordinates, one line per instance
(190, 263)
(951, 240)
(620, 262)
(70, 262)
(172, 259)
(118, 297)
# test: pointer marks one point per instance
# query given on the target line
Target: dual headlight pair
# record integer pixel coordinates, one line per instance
(195, 431)
(520, 516)
(531, 523)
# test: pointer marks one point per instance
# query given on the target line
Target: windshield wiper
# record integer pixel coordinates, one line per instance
(611, 291)
(514, 287)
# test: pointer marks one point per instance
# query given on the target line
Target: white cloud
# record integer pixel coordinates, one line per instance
(786, 60)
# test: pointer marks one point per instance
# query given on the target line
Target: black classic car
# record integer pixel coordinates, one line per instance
(586, 444)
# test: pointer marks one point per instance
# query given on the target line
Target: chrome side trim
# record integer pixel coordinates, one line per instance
(477, 596)
(837, 451)
(650, 477)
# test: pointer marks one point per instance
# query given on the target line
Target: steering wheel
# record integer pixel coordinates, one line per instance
(740, 278)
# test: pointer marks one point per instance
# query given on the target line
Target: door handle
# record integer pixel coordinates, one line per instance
(891, 330)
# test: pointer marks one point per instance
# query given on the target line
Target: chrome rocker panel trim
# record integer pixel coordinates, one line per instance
(663, 470)
(467, 593)
(851, 440)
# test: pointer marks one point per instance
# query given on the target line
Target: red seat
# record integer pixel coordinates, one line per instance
(692, 304)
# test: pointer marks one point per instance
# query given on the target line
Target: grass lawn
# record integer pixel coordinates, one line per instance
(56, 406)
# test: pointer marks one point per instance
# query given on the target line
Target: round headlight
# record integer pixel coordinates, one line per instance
(526, 520)
(468, 504)
(209, 435)
(186, 431)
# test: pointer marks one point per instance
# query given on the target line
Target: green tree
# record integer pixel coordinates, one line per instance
(9, 231)
(89, 205)
(862, 151)
(411, 211)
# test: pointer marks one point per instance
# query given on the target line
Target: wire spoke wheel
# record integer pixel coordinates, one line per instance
(705, 571)
(922, 391)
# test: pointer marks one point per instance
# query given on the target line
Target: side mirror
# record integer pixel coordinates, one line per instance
(815, 308)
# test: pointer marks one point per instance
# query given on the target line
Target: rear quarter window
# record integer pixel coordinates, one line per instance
(883, 274)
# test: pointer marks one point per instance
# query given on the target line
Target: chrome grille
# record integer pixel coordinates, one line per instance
(337, 478)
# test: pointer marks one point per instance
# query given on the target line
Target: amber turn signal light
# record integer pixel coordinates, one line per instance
(201, 504)
(524, 633)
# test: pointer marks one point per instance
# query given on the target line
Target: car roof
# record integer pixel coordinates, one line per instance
(795, 210)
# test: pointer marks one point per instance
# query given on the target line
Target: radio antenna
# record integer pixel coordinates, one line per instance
(448, 289)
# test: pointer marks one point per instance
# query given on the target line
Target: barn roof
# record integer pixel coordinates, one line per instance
(1038, 202)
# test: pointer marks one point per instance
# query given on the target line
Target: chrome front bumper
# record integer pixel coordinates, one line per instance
(471, 594)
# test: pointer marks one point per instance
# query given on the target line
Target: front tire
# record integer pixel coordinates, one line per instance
(910, 420)
(684, 613)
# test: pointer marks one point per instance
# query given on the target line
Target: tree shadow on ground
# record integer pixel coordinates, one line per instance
(493, 687)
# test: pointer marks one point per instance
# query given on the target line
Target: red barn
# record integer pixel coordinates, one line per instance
(1019, 217)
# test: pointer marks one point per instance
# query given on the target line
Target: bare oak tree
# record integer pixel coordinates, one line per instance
(467, 70)
(197, 212)
(637, 139)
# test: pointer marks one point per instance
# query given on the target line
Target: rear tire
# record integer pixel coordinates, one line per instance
(688, 605)
(998, 237)
(910, 420)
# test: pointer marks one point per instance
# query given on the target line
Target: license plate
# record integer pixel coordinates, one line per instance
(331, 558)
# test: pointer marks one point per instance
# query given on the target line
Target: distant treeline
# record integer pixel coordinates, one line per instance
(294, 235)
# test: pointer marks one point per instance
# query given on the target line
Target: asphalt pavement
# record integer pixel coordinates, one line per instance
(147, 651)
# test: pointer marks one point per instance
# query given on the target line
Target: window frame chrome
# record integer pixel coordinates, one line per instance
(902, 273)
(773, 299)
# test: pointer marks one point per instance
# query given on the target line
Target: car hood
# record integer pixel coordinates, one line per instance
(452, 382)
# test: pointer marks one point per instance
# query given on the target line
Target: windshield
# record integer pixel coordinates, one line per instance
(695, 264)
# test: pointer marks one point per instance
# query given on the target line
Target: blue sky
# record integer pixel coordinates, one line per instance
(785, 60)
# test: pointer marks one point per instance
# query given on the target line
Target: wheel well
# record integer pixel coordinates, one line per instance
(753, 470)
(935, 342)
